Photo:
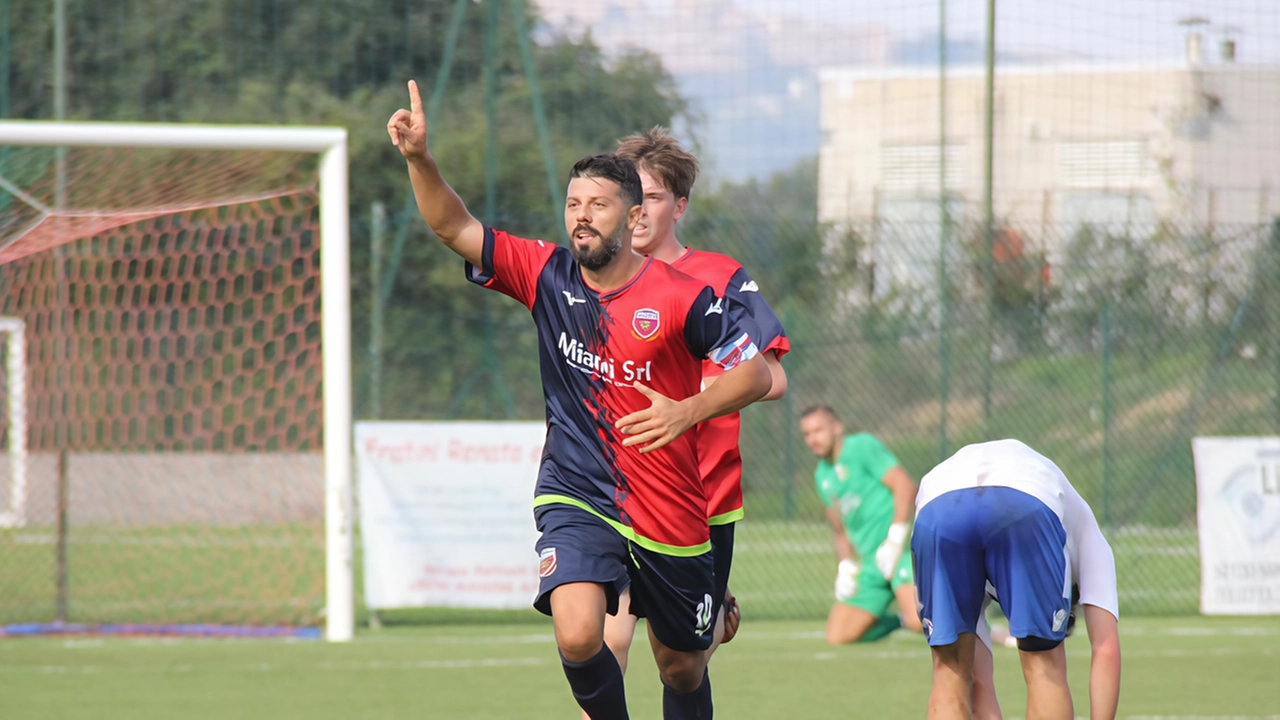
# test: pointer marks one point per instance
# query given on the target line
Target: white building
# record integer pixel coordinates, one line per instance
(1196, 144)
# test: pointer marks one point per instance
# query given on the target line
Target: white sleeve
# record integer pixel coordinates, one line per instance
(1095, 564)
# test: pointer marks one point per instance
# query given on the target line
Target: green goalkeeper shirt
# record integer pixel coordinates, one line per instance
(853, 485)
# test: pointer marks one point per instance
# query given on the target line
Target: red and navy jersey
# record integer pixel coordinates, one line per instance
(592, 347)
(719, 460)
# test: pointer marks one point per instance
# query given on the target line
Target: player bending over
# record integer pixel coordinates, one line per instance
(667, 173)
(869, 500)
(1000, 521)
(621, 341)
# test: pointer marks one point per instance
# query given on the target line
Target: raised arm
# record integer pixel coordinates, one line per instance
(440, 206)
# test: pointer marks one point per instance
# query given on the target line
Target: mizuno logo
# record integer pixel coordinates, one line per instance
(749, 286)
(571, 299)
(715, 308)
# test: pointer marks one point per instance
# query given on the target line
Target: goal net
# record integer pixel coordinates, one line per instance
(176, 420)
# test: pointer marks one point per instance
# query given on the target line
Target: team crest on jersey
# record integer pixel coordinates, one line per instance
(547, 562)
(645, 323)
(842, 472)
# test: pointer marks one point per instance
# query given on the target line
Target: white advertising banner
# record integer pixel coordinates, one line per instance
(446, 513)
(1238, 511)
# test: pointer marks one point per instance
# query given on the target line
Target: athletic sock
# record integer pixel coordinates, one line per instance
(687, 706)
(597, 685)
(884, 625)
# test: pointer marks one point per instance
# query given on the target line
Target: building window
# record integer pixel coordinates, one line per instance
(906, 243)
(915, 167)
(1116, 164)
(1113, 211)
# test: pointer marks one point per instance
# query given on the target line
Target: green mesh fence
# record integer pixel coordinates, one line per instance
(1108, 362)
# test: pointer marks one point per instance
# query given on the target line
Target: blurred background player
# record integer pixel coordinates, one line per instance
(870, 500)
(621, 339)
(1000, 521)
(667, 174)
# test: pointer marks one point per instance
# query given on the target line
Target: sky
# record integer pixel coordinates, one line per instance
(751, 65)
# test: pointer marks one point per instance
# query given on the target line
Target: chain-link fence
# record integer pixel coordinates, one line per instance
(1076, 247)
(1108, 362)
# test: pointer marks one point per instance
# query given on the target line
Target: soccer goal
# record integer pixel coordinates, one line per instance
(13, 507)
(175, 323)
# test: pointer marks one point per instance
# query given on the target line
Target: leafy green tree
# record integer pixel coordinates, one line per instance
(772, 227)
(451, 348)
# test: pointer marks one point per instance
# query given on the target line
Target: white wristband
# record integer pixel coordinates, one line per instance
(898, 533)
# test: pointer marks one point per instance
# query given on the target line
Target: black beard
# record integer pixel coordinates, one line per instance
(594, 260)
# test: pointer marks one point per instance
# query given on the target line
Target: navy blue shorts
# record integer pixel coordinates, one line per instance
(966, 538)
(674, 593)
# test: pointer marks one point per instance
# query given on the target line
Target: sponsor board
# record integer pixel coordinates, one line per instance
(1238, 514)
(446, 515)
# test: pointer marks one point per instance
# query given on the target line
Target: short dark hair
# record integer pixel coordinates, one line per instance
(611, 166)
(814, 409)
(661, 156)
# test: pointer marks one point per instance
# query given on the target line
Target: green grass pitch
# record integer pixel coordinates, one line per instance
(1174, 668)
(782, 570)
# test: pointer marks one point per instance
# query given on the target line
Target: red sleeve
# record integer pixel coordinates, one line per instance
(781, 345)
(511, 265)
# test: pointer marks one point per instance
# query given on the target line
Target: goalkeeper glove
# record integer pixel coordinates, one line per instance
(846, 580)
(890, 551)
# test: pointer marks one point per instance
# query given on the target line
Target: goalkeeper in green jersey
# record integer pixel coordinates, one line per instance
(870, 501)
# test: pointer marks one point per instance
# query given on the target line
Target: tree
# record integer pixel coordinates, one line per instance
(772, 228)
(345, 62)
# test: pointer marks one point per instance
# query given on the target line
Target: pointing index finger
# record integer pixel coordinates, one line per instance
(415, 100)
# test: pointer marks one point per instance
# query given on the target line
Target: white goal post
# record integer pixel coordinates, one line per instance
(335, 323)
(13, 509)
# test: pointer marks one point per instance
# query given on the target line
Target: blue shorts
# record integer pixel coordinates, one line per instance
(674, 593)
(966, 538)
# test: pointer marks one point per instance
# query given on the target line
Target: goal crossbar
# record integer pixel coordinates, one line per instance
(335, 321)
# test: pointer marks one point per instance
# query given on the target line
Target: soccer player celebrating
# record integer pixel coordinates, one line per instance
(869, 500)
(621, 341)
(667, 173)
(999, 520)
